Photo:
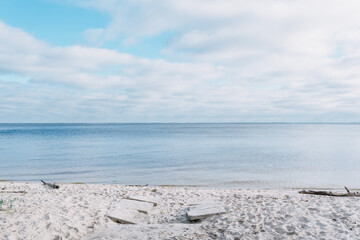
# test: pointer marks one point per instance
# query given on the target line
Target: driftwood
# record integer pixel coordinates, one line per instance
(329, 193)
(12, 192)
(52, 185)
(138, 185)
(204, 210)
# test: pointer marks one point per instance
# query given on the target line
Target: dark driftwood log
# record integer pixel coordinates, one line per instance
(52, 185)
(329, 193)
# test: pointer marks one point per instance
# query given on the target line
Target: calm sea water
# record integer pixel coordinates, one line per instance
(221, 155)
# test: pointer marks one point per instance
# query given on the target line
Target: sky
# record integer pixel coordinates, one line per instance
(179, 61)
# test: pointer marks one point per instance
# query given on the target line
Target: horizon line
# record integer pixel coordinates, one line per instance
(274, 122)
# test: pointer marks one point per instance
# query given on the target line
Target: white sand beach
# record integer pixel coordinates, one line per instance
(79, 211)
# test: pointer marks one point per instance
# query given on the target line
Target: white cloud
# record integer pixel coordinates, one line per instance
(90, 67)
(228, 60)
(300, 26)
(255, 39)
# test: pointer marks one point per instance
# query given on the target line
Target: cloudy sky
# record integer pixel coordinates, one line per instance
(179, 61)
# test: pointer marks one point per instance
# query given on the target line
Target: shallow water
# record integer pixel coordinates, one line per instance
(221, 155)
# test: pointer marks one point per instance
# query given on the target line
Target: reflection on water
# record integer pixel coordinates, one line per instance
(228, 155)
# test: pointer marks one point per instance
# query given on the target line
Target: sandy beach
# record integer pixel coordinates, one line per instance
(80, 211)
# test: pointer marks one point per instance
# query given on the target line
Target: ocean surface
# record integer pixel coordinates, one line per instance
(210, 155)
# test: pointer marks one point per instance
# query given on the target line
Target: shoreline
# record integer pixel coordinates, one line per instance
(79, 211)
(187, 186)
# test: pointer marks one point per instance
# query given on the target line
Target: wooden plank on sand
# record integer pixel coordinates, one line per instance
(128, 216)
(202, 211)
(148, 199)
(143, 207)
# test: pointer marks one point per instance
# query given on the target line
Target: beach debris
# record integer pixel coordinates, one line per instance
(143, 207)
(204, 210)
(12, 191)
(138, 185)
(128, 216)
(52, 185)
(131, 212)
(148, 199)
(329, 193)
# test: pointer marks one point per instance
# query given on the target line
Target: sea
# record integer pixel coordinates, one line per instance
(222, 155)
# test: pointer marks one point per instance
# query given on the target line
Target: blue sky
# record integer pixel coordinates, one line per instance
(179, 61)
(58, 24)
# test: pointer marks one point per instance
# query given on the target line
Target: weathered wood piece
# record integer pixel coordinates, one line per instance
(144, 207)
(138, 185)
(204, 210)
(329, 193)
(148, 199)
(12, 192)
(128, 216)
(52, 185)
